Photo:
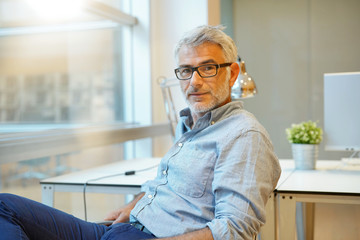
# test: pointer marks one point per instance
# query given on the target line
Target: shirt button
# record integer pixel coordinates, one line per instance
(150, 196)
(164, 172)
(212, 123)
(180, 144)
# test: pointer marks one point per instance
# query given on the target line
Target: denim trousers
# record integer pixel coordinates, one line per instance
(22, 218)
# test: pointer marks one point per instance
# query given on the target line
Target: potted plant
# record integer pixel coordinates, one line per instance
(305, 138)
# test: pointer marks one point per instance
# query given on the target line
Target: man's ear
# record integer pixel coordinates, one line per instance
(235, 70)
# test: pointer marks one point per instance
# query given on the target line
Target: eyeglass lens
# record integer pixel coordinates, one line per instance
(203, 71)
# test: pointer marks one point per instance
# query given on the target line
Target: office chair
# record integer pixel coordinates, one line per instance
(173, 100)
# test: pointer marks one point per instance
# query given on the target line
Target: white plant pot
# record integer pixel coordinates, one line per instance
(305, 155)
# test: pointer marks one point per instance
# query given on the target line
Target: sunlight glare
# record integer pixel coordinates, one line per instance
(56, 9)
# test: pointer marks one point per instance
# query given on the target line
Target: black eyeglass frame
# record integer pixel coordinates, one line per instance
(193, 69)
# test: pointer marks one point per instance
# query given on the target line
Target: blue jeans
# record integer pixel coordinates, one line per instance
(22, 218)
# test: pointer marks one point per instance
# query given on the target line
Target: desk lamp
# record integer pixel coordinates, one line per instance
(244, 86)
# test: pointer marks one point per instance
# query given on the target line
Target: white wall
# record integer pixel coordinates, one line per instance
(287, 46)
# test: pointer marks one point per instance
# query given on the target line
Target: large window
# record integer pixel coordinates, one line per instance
(68, 70)
(61, 69)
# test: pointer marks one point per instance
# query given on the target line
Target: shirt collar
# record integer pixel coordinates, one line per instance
(212, 116)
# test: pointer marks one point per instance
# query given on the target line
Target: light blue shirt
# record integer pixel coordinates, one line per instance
(219, 174)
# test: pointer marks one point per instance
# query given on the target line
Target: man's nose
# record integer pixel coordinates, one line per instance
(196, 80)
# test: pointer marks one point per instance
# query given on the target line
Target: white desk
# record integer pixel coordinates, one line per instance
(74, 182)
(331, 182)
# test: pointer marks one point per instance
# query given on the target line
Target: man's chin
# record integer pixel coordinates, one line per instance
(201, 108)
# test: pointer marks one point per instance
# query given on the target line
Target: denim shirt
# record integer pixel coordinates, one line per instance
(219, 174)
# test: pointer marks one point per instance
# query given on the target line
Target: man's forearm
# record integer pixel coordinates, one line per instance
(203, 234)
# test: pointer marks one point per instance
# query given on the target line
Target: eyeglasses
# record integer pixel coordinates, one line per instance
(205, 71)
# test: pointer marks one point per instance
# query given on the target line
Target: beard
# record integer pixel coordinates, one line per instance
(218, 97)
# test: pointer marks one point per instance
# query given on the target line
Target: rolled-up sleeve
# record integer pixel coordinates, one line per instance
(246, 173)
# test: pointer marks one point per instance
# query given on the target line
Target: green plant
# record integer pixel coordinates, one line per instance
(304, 133)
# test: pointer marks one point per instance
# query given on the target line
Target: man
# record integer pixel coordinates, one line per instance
(212, 184)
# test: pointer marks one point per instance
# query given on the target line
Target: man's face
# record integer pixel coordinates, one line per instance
(205, 94)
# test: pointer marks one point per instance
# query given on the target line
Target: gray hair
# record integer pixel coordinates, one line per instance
(212, 34)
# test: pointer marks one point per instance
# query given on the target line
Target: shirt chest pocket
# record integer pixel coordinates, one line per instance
(191, 168)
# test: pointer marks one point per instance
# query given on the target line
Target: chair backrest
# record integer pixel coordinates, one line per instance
(173, 100)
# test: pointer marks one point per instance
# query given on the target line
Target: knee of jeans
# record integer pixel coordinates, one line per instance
(4, 208)
(7, 197)
(4, 197)
(7, 201)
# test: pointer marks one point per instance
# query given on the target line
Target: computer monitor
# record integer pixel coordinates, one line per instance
(342, 112)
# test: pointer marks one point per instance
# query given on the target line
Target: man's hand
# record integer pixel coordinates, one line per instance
(119, 215)
(123, 214)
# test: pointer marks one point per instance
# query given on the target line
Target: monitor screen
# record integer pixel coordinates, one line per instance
(342, 111)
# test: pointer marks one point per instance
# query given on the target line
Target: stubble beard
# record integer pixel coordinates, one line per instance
(218, 98)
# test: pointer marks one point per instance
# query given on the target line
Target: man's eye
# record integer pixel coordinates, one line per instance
(185, 71)
(207, 68)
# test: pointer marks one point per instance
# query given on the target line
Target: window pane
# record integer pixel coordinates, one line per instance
(58, 72)
(61, 77)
